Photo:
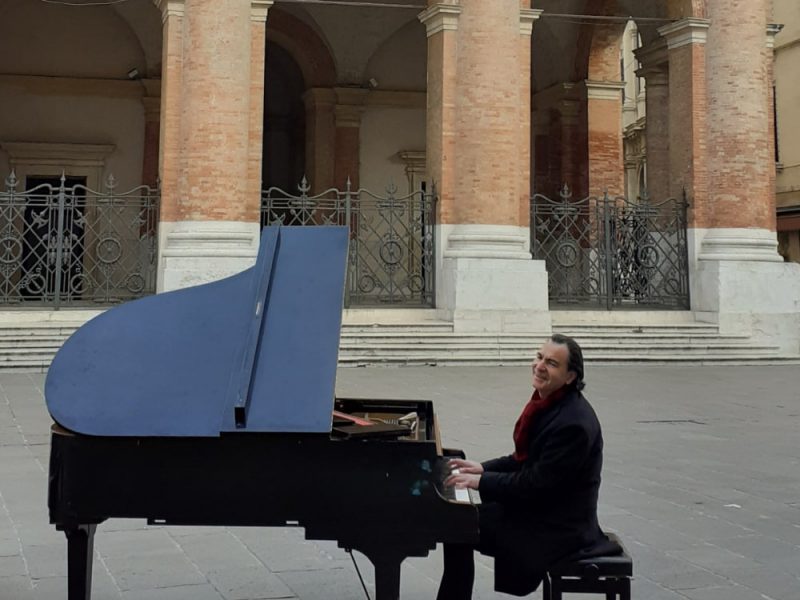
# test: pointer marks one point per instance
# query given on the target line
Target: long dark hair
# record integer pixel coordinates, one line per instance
(575, 359)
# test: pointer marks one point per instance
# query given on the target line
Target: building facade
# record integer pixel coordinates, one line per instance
(787, 112)
(488, 103)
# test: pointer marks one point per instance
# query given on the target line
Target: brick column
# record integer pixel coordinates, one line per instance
(258, 55)
(152, 118)
(688, 166)
(348, 111)
(654, 62)
(606, 157)
(738, 278)
(741, 160)
(210, 209)
(480, 162)
(769, 59)
(320, 137)
(571, 171)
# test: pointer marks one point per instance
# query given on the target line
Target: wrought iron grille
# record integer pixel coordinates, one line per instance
(68, 245)
(609, 252)
(391, 254)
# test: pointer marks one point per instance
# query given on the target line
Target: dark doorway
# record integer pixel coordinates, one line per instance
(284, 156)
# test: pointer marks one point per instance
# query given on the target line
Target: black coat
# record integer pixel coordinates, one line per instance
(537, 512)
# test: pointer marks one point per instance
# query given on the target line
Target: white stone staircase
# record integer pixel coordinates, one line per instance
(606, 337)
(30, 339)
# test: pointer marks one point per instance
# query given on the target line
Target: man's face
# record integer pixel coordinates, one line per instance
(550, 369)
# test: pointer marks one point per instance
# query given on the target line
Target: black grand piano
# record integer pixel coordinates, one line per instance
(213, 405)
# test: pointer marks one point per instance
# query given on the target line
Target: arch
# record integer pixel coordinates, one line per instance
(96, 43)
(400, 62)
(599, 45)
(283, 154)
(144, 21)
(681, 9)
(305, 46)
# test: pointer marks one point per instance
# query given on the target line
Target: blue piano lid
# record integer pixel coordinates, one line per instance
(173, 364)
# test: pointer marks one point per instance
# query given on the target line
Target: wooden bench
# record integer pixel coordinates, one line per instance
(609, 575)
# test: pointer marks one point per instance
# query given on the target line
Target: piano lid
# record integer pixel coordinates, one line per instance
(256, 352)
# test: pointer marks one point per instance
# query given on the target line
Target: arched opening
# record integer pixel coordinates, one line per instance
(284, 157)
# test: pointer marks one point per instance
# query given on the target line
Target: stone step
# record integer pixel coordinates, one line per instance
(599, 359)
(398, 338)
(442, 327)
(621, 350)
(527, 339)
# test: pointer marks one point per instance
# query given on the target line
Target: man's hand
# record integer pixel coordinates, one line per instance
(463, 480)
(465, 474)
(465, 466)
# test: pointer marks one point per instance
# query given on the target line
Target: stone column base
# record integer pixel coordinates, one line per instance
(196, 252)
(487, 281)
(740, 283)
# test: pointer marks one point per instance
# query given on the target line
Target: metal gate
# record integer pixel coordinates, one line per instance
(607, 252)
(391, 255)
(63, 244)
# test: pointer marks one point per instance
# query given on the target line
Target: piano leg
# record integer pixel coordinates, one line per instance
(387, 576)
(80, 552)
(387, 563)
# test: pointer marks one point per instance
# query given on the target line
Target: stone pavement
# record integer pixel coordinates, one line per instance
(702, 481)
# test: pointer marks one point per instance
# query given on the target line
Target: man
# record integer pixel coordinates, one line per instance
(539, 504)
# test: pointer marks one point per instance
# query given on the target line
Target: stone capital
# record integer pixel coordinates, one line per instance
(569, 109)
(152, 108)
(350, 106)
(604, 90)
(319, 97)
(440, 17)
(259, 10)
(773, 29)
(653, 58)
(415, 160)
(527, 17)
(170, 8)
(348, 115)
(685, 32)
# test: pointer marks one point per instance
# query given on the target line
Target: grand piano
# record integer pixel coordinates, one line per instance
(213, 405)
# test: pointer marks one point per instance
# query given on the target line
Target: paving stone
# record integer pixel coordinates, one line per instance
(249, 583)
(45, 561)
(16, 587)
(155, 569)
(218, 550)
(183, 592)
(342, 584)
(726, 592)
(12, 565)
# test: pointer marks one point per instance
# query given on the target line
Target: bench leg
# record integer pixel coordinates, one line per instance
(555, 589)
(546, 587)
(625, 592)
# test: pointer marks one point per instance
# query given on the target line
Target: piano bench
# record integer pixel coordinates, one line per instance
(609, 575)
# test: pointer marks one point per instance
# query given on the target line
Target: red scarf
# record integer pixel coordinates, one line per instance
(535, 406)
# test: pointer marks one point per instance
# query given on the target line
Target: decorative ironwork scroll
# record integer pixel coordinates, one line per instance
(68, 245)
(608, 252)
(391, 254)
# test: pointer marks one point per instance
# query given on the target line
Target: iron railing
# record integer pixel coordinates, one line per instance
(68, 245)
(608, 252)
(391, 254)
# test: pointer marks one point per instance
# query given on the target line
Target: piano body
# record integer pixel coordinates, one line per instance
(212, 406)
